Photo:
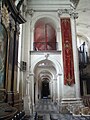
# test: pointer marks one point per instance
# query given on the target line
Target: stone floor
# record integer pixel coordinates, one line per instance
(48, 110)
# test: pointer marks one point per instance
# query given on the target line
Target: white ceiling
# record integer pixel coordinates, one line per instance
(83, 21)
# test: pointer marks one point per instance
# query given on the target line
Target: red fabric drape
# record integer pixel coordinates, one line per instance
(67, 51)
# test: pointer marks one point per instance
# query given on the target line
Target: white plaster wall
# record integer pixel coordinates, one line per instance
(29, 33)
(32, 58)
(69, 91)
(52, 4)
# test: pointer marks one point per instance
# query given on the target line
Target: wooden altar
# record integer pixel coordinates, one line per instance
(10, 18)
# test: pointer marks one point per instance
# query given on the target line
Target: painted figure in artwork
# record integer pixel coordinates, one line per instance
(2, 55)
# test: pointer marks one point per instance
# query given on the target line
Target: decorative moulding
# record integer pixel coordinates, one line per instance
(5, 16)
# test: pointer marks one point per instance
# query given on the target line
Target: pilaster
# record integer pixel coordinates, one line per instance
(54, 89)
(75, 53)
(28, 97)
(32, 86)
(59, 88)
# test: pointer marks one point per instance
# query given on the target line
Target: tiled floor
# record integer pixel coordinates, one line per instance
(48, 110)
(46, 106)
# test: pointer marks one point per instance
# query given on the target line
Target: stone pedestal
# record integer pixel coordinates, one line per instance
(14, 99)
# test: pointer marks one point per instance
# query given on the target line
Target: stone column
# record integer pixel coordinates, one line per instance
(27, 98)
(21, 78)
(51, 89)
(50, 86)
(15, 55)
(30, 14)
(75, 54)
(32, 86)
(19, 58)
(54, 88)
(37, 96)
(59, 89)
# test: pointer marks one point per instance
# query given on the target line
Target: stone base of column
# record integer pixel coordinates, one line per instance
(72, 101)
(27, 105)
(66, 102)
(2, 95)
(14, 99)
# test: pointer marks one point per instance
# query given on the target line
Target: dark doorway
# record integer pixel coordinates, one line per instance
(45, 92)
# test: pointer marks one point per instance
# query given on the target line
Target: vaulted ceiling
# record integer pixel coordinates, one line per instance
(83, 21)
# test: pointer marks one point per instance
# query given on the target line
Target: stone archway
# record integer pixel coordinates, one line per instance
(44, 72)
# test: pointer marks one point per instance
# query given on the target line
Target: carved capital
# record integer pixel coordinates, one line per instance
(30, 12)
(64, 11)
(74, 15)
(59, 12)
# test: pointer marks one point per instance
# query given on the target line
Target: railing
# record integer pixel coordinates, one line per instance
(44, 46)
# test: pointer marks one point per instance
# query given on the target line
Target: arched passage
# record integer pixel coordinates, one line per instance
(45, 90)
(45, 72)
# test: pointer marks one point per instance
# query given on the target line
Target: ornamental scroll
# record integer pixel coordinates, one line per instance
(67, 52)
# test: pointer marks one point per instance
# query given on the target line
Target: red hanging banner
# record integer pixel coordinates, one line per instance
(67, 51)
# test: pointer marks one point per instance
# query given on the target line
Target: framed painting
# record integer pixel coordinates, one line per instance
(3, 49)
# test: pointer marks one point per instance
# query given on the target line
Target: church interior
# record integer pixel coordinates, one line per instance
(44, 59)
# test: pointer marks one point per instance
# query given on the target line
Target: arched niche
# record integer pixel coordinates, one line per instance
(44, 35)
(44, 72)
